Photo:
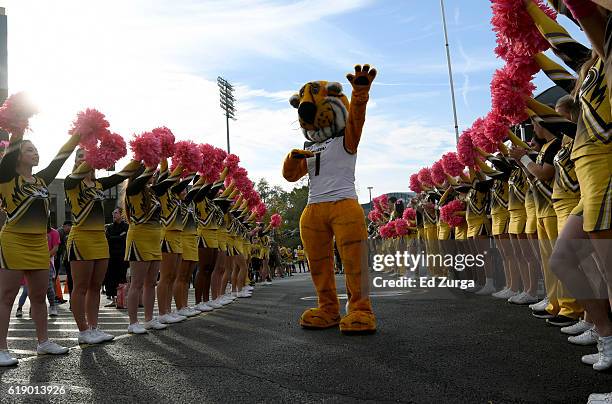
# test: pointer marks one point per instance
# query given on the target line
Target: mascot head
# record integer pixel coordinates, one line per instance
(322, 109)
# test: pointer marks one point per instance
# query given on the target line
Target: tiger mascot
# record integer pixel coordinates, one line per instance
(333, 128)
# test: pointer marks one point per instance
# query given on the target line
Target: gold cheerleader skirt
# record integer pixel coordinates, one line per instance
(189, 242)
(461, 231)
(87, 245)
(531, 220)
(444, 231)
(594, 173)
(564, 208)
(478, 226)
(222, 238)
(171, 242)
(207, 238)
(430, 232)
(24, 251)
(518, 220)
(499, 222)
(143, 243)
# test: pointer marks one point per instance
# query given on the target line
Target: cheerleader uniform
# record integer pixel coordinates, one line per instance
(23, 239)
(172, 225)
(87, 240)
(565, 196)
(547, 228)
(592, 151)
(476, 212)
(500, 217)
(189, 235)
(517, 192)
(143, 208)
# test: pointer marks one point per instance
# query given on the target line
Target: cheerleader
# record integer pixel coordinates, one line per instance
(479, 226)
(171, 245)
(87, 246)
(143, 245)
(592, 156)
(23, 240)
(524, 257)
(189, 241)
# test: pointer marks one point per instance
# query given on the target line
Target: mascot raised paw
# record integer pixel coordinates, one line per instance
(332, 127)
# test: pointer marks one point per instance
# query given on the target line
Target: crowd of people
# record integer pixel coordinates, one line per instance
(202, 212)
(534, 180)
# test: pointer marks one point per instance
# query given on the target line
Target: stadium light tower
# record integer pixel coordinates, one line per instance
(227, 100)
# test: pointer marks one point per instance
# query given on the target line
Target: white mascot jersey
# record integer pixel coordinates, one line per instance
(331, 172)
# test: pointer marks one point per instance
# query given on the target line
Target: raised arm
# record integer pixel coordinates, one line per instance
(572, 52)
(8, 163)
(161, 187)
(48, 174)
(361, 82)
(129, 170)
(139, 180)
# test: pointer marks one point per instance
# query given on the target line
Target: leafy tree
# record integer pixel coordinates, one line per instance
(287, 204)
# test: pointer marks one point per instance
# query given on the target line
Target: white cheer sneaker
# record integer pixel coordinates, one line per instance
(578, 328)
(540, 306)
(604, 346)
(136, 328)
(186, 312)
(169, 319)
(203, 307)
(106, 337)
(6, 359)
(214, 304)
(523, 299)
(90, 338)
(154, 324)
(595, 398)
(51, 348)
(589, 337)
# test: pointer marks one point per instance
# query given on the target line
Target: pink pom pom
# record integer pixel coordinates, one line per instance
(231, 162)
(451, 164)
(509, 94)
(187, 154)
(515, 30)
(384, 231)
(261, 211)
(167, 141)
(275, 220)
(425, 177)
(465, 149)
(91, 125)
(437, 173)
(209, 169)
(496, 128)
(111, 149)
(409, 214)
(447, 213)
(146, 148)
(16, 112)
(401, 227)
(375, 216)
(381, 203)
(478, 136)
(415, 184)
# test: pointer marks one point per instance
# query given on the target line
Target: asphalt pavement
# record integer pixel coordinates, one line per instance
(432, 346)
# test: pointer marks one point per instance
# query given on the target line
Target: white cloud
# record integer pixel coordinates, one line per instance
(151, 63)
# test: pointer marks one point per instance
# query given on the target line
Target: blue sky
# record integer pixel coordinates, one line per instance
(146, 63)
